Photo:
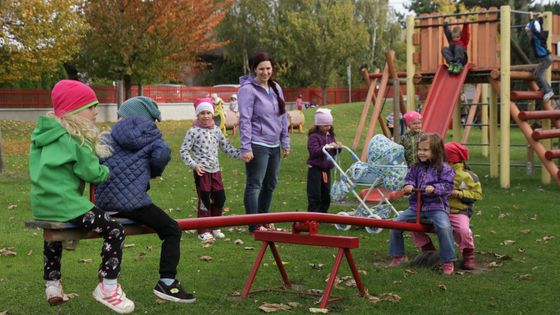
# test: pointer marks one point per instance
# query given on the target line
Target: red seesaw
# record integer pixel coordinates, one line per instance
(304, 232)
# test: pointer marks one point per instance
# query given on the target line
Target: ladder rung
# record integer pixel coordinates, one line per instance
(552, 154)
(539, 114)
(526, 95)
(545, 134)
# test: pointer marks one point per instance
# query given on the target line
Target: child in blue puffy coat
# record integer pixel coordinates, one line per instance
(139, 154)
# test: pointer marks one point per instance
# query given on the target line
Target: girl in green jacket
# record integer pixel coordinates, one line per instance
(62, 159)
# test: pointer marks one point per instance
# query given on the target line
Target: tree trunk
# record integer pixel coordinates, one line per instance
(140, 89)
(127, 86)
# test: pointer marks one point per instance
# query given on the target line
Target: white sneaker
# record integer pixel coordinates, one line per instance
(55, 294)
(115, 300)
(547, 96)
(206, 237)
(218, 234)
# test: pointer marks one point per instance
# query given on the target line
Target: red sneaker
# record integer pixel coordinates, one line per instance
(398, 260)
(448, 268)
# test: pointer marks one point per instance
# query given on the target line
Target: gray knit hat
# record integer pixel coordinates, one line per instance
(140, 106)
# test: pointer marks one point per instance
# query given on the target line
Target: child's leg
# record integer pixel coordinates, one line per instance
(459, 55)
(461, 231)
(544, 63)
(113, 236)
(423, 240)
(448, 54)
(203, 189)
(396, 240)
(442, 226)
(52, 253)
(325, 191)
(167, 230)
(314, 189)
(218, 195)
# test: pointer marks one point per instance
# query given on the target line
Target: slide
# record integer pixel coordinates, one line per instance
(441, 100)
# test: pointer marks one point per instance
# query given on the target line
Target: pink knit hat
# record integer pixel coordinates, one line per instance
(410, 117)
(323, 117)
(203, 104)
(70, 97)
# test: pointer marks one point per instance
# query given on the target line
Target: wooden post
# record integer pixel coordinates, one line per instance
(410, 69)
(493, 133)
(545, 175)
(484, 119)
(396, 110)
(365, 110)
(505, 89)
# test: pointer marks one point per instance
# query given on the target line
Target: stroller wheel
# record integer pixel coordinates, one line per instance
(372, 229)
(343, 227)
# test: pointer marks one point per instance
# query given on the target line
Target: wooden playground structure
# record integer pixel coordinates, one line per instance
(490, 69)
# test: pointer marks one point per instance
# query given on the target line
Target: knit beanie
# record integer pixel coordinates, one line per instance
(456, 152)
(203, 104)
(215, 98)
(70, 97)
(323, 117)
(140, 106)
(410, 117)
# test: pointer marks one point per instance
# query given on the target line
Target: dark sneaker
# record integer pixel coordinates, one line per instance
(173, 293)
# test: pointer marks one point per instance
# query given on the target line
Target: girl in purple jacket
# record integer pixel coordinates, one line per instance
(435, 178)
(318, 174)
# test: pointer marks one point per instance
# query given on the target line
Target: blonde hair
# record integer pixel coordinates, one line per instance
(85, 131)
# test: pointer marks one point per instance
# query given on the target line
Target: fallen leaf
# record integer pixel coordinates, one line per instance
(520, 250)
(525, 231)
(502, 257)
(492, 232)
(442, 287)
(548, 238)
(294, 304)
(30, 252)
(316, 266)
(129, 245)
(205, 258)
(238, 242)
(149, 248)
(86, 260)
(11, 219)
(316, 310)
(363, 272)
(390, 297)
(248, 248)
(235, 293)
(140, 256)
(410, 271)
(508, 242)
(7, 251)
(315, 291)
(524, 277)
(10, 207)
(160, 301)
(72, 295)
(534, 217)
(373, 299)
(274, 307)
(494, 264)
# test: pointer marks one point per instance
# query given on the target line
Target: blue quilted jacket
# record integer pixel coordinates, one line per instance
(139, 154)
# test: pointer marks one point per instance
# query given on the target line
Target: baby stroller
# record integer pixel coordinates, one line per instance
(385, 168)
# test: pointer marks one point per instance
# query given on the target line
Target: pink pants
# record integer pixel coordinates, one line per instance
(461, 233)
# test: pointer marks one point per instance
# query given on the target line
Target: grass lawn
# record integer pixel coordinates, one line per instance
(517, 240)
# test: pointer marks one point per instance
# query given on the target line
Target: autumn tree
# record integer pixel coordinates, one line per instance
(37, 36)
(149, 41)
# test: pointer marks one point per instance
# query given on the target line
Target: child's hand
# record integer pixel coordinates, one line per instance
(407, 189)
(286, 153)
(199, 169)
(456, 193)
(429, 189)
(247, 156)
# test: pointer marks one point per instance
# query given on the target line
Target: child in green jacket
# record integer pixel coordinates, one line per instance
(62, 159)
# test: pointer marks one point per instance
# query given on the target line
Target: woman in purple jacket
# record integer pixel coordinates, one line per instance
(435, 178)
(319, 172)
(263, 129)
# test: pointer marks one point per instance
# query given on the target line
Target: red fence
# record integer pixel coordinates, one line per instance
(175, 94)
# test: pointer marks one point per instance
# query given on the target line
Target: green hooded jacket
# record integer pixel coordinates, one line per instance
(59, 167)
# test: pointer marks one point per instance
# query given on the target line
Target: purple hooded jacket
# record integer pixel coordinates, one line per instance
(315, 144)
(258, 116)
(421, 175)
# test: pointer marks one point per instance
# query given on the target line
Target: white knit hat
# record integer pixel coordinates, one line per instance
(203, 104)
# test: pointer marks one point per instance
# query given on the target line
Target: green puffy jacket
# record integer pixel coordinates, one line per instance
(59, 167)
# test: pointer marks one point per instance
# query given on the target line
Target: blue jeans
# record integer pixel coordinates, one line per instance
(442, 227)
(262, 176)
(544, 63)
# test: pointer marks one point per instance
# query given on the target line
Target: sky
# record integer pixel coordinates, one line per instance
(398, 4)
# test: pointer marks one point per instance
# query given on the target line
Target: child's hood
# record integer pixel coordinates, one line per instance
(47, 131)
(134, 133)
(246, 79)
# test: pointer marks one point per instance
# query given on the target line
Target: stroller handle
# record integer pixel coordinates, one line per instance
(342, 147)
